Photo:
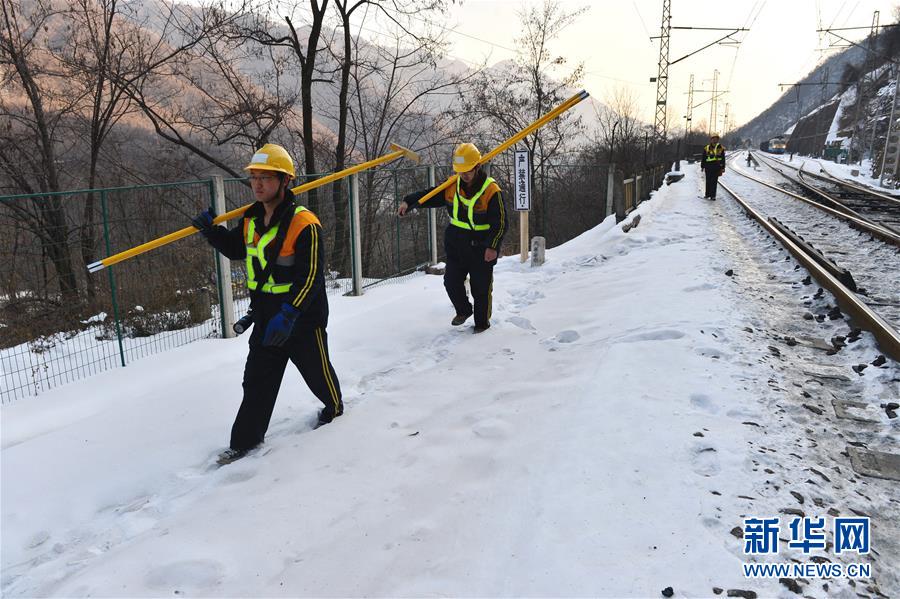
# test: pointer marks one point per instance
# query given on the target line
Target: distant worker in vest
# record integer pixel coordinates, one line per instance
(473, 237)
(713, 164)
(282, 244)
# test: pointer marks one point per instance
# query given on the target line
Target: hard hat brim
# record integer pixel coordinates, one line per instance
(267, 167)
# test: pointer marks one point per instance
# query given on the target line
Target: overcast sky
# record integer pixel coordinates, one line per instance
(612, 39)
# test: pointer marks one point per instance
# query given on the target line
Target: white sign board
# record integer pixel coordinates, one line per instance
(523, 181)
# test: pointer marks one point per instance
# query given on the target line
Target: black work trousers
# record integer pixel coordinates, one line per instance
(712, 182)
(307, 348)
(464, 259)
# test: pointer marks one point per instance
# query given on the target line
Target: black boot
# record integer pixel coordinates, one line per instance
(231, 455)
(327, 415)
(460, 318)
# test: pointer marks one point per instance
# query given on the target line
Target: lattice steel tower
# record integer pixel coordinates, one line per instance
(690, 107)
(662, 78)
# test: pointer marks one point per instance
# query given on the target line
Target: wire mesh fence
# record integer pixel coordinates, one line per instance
(59, 324)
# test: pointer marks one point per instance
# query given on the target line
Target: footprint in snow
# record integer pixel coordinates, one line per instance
(563, 337)
(37, 539)
(658, 335)
(704, 402)
(522, 323)
(712, 352)
(238, 477)
(133, 506)
(568, 336)
(522, 298)
(492, 428)
(590, 261)
(744, 415)
(705, 460)
(185, 575)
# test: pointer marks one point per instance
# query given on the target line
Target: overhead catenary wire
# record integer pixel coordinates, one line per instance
(644, 25)
(749, 22)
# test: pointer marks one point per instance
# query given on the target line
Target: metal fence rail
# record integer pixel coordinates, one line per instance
(59, 324)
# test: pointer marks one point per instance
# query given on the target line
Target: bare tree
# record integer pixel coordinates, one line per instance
(33, 112)
(166, 50)
(512, 96)
(244, 95)
(260, 28)
(620, 129)
(402, 95)
(93, 56)
(383, 87)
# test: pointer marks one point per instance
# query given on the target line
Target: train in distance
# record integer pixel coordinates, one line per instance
(776, 145)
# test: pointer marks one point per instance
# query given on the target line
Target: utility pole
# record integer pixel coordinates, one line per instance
(872, 37)
(871, 53)
(714, 103)
(890, 157)
(687, 124)
(818, 131)
(690, 109)
(859, 132)
(724, 130)
(690, 104)
(662, 77)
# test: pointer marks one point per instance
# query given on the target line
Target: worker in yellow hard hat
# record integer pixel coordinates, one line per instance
(473, 237)
(281, 242)
(713, 164)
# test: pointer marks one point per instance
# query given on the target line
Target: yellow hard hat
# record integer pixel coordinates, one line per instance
(465, 157)
(272, 157)
(713, 134)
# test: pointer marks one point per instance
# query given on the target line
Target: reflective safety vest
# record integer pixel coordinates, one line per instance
(258, 251)
(711, 154)
(470, 205)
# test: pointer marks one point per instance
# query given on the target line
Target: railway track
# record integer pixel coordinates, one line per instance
(839, 257)
(867, 204)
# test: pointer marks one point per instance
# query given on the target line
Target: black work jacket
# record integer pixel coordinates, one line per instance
(488, 210)
(301, 261)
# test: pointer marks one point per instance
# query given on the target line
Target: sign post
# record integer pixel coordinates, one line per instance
(523, 198)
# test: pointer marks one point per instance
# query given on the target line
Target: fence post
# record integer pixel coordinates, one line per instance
(610, 190)
(397, 220)
(223, 264)
(355, 237)
(112, 278)
(619, 198)
(432, 220)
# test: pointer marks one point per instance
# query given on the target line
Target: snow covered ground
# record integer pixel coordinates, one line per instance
(633, 402)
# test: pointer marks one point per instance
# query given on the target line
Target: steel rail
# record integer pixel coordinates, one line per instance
(887, 337)
(885, 234)
(840, 204)
(842, 183)
(828, 177)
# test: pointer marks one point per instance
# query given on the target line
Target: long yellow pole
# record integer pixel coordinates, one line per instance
(398, 152)
(556, 112)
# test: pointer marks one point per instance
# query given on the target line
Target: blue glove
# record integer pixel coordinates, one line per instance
(204, 221)
(280, 326)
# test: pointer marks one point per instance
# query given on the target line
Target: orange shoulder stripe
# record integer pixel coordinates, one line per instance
(300, 221)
